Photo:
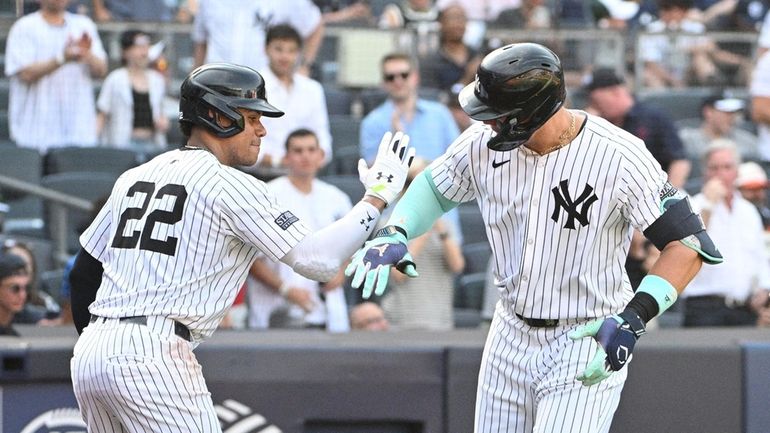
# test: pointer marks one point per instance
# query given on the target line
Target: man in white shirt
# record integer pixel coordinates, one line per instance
(234, 30)
(275, 288)
(731, 294)
(302, 98)
(51, 57)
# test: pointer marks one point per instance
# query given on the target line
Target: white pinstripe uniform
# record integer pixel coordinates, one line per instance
(560, 227)
(176, 239)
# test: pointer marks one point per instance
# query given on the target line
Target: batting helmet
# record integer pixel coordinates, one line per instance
(522, 85)
(222, 88)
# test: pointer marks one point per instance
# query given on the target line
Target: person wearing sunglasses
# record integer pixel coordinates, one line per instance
(14, 280)
(429, 123)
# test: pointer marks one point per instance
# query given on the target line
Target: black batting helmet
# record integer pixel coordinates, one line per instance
(222, 88)
(520, 84)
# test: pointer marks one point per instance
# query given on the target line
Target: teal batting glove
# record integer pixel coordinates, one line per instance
(617, 336)
(370, 265)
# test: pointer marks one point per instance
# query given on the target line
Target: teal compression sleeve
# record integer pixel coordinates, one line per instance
(420, 206)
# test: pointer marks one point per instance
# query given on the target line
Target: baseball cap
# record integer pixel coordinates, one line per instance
(11, 264)
(751, 176)
(620, 9)
(724, 103)
(601, 78)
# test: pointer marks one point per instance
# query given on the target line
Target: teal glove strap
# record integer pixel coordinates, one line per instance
(420, 206)
(661, 290)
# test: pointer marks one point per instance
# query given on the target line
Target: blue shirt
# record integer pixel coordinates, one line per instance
(431, 130)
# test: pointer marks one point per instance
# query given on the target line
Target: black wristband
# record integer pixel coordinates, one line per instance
(644, 305)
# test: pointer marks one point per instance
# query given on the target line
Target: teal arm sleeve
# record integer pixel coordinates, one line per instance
(420, 206)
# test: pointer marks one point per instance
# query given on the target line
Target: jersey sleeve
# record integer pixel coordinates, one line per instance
(96, 239)
(253, 215)
(451, 172)
(643, 186)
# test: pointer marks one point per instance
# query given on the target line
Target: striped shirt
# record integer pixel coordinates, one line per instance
(177, 236)
(559, 224)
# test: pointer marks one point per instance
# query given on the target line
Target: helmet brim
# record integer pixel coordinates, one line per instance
(474, 107)
(258, 105)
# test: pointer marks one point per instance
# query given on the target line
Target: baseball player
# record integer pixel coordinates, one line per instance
(560, 192)
(165, 257)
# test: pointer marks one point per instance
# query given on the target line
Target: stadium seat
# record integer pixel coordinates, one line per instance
(25, 216)
(5, 133)
(91, 186)
(476, 257)
(679, 104)
(469, 291)
(472, 224)
(94, 159)
(345, 161)
(371, 98)
(338, 101)
(345, 131)
(350, 184)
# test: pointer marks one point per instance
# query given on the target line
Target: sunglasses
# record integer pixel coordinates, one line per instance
(392, 77)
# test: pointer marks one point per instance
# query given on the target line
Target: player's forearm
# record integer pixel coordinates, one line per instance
(321, 254)
(420, 206)
(677, 264)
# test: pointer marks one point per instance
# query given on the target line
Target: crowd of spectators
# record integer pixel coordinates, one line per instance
(61, 93)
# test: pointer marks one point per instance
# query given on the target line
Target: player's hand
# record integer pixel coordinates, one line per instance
(616, 336)
(371, 264)
(385, 178)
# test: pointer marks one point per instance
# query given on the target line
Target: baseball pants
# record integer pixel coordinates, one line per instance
(527, 380)
(130, 377)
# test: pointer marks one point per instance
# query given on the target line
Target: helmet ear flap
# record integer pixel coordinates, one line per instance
(211, 103)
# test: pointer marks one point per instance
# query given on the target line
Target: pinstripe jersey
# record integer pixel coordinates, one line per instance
(559, 224)
(177, 236)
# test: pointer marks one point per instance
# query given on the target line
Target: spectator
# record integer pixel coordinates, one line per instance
(462, 120)
(609, 97)
(318, 204)
(719, 117)
(345, 11)
(614, 14)
(760, 105)
(454, 61)
(479, 13)
(689, 57)
(51, 56)
(752, 184)
(531, 14)
(231, 31)
(368, 316)
(429, 124)
(40, 308)
(13, 290)
(730, 294)
(133, 10)
(130, 102)
(408, 13)
(300, 97)
(426, 303)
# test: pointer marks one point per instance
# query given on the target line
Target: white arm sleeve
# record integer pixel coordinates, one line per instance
(320, 255)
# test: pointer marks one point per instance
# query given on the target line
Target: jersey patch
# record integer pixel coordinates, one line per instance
(667, 191)
(285, 220)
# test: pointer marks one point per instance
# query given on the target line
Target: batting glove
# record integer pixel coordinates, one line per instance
(371, 264)
(616, 336)
(385, 179)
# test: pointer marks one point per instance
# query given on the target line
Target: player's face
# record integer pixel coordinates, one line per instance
(399, 79)
(304, 157)
(13, 293)
(282, 55)
(243, 148)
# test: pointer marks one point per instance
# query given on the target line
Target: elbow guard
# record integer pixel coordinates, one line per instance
(679, 222)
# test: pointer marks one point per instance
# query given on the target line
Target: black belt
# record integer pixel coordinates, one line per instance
(539, 323)
(179, 329)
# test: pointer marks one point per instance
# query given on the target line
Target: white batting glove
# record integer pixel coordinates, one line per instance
(385, 178)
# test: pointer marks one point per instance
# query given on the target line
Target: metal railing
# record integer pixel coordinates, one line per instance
(59, 206)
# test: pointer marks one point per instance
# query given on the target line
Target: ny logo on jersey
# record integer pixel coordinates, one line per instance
(563, 200)
(388, 178)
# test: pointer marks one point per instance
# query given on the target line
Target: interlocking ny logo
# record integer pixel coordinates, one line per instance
(563, 200)
(389, 177)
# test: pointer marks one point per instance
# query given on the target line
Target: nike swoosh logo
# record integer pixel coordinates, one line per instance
(496, 164)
